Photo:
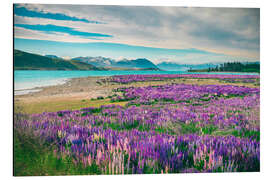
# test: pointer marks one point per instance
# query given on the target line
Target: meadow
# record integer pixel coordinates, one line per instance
(148, 124)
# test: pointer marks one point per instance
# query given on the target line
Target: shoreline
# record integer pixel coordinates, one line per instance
(70, 85)
(75, 93)
(82, 92)
(30, 87)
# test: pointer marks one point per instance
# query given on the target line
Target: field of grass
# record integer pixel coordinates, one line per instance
(58, 105)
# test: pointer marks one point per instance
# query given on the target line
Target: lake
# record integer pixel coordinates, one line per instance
(26, 80)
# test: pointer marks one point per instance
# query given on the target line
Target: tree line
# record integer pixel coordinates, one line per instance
(231, 67)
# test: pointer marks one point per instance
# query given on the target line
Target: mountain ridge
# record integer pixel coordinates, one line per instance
(29, 61)
(141, 63)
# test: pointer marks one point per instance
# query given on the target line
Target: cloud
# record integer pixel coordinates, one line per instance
(229, 31)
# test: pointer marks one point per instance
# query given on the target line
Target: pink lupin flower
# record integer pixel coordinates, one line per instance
(112, 167)
(210, 162)
(110, 164)
(205, 164)
(99, 156)
(167, 169)
(89, 159)
(194, 158)
(123, 168)
(211, 159)
(84, 160)
(128, 163)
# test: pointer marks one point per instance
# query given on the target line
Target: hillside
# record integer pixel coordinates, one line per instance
(137, 64)
(29, 61)
(97, 61)
(52, 56)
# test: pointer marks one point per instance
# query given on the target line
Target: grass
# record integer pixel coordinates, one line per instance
(195, 81)
(247, 133)
(34, 159)
(58, 105)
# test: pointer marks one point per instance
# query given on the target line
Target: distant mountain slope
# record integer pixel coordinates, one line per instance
(52, 56)
(137, 63)
(29, 61)
(171, 66)
(97, 61)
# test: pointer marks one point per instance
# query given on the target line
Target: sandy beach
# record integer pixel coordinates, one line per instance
(76, 90)
(85, 87)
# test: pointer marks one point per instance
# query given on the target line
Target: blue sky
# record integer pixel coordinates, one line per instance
(22, 11)
(49, 28)
(182, 35)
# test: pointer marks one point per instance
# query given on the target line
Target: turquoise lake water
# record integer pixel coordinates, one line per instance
(25, 81)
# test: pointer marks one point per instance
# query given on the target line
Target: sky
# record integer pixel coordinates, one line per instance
(185, 35)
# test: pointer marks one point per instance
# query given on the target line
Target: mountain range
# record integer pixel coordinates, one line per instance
(29, 61)
(141, 63)
(96, 61)
(99, 61)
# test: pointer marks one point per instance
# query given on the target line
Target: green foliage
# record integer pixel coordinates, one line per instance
(129, 126)
(28, 61)
(34, 159)
(247, 133)
(209, 129)
(232, 67)
(189, 128)
(163, 130)
(143, 128)
(113, 126)
(194, 128)
(196, 104)
(120, 100)
(205, 99)
(93, 111)
(100, 97)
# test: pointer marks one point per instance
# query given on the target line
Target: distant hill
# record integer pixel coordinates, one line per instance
(171, 66)
(53, 56)
(97, 61)
(29, 61)
(137, 64)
